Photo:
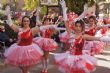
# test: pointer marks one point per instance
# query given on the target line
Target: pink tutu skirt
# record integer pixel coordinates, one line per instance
(23, 55)
(46, 44)
(70, 63)
(98, 47)
(94, 47)
(64, 37)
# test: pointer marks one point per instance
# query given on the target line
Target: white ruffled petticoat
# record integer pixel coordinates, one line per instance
(23, 55)
(75, 63)
(46, 44)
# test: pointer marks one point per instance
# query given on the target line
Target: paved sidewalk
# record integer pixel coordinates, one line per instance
(102, 67)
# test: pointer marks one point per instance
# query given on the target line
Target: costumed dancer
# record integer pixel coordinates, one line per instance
(76, 60)
(64, 38)
(46, 43)
(93, 30)
(23, 54)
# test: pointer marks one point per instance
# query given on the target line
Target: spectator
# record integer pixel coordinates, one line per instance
(4, 37)
(33, 19)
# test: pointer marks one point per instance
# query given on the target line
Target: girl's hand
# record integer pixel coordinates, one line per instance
(105, 39)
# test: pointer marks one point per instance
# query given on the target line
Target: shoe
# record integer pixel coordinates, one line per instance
(44, 71)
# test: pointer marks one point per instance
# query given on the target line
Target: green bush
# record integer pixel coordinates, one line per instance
(78, 5)
(2, 15)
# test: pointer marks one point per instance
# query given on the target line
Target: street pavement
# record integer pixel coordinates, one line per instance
(103, 65)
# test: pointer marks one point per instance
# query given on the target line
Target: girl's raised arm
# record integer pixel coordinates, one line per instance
(9, 20)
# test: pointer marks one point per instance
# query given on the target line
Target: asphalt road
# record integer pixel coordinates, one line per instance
(103, 65)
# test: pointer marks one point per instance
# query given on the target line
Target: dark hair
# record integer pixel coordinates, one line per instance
(23, 19)
(86, 21)
(82, 24)
(94, 18)
(105, 20)
(46, 19)
(34, 12)
(92, 2)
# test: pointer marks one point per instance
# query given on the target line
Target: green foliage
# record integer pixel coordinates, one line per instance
(44, 10)
(2, 15)
(4, 2)
(16, 22)
(78, 5)
(31, 4)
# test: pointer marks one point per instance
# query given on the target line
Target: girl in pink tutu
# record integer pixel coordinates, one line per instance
(46, 43)
(24, 53)
(93, 30)
(75, 60)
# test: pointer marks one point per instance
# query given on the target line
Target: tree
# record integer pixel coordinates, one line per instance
(77, 5)
(31, 4)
